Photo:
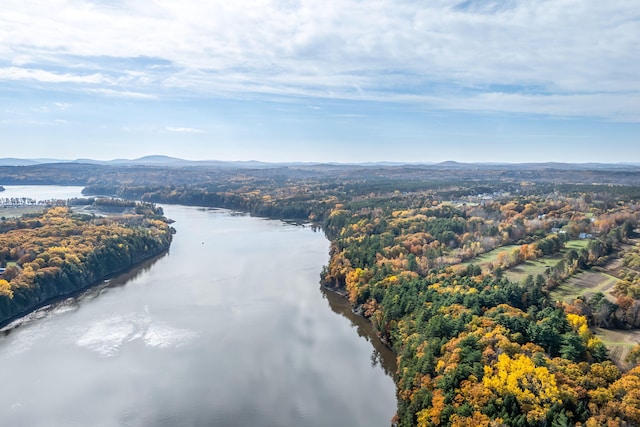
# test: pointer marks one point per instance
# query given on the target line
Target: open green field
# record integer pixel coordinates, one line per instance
(489, 257)
(619, 343)
(540, 265)
(583, 283)
(16, 211)
(534, 267)
(576, 244)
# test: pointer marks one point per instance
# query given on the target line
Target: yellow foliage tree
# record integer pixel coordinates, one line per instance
(477, 419)
(354, 280)
(533, 386)
(626, 397)
(431, 416)
(5, 288)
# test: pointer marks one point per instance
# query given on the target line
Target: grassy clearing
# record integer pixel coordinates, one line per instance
(16, 211)
(489, 257)
(539, 266)
(585, 283)
(619, 343)
(576, 244)
(534, 267)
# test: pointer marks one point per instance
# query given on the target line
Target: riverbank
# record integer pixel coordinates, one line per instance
(60, 252)
(382, 353)
(9, 324)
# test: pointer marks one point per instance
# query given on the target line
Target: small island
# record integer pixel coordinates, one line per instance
(71, 246)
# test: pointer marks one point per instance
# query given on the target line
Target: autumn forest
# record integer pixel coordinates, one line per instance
(49, 255)
(496, 287)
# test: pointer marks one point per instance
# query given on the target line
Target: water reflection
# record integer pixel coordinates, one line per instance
(71, 302)
(133, 273)
(381, 356)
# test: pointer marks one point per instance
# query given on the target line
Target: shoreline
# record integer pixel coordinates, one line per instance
(5, 324)
(361, 322)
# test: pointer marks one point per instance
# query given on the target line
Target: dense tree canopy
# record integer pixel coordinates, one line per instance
(474, 348)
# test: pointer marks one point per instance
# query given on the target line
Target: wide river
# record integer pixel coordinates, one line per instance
(230, 328)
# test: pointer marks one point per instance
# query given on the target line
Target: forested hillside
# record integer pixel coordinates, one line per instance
(48, 255)
(474, 348)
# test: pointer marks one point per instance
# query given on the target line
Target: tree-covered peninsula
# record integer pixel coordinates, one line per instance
(60, 251)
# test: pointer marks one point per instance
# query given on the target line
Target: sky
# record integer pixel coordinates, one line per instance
(321, 81)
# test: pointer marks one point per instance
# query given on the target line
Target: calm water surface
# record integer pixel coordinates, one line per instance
(230, 328)
(41, 192)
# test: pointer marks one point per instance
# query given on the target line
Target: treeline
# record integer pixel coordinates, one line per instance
(629, 286)
(48, 255)
(400, 177)
(625, 311)
(288, 203)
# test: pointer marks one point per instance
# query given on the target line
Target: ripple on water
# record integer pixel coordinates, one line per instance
(70, 304)
(23, 341)
(164, 336)
(106, 337)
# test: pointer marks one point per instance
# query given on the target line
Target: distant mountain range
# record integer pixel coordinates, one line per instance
(147, 160)
(158, 160)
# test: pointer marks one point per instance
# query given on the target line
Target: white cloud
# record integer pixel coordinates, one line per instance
(122, 93)
(19, 73)
(183, 130)
(518, 55)
(614, 107)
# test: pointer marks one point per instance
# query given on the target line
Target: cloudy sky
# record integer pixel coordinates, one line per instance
(310, 80)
